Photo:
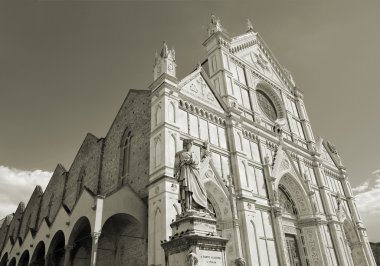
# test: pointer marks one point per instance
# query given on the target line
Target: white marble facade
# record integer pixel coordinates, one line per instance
(280, 196)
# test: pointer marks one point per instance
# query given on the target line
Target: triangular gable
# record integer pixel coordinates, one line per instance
(283, 164)
(260, 62)
(198, 86)
(251, 48)
(328, 156)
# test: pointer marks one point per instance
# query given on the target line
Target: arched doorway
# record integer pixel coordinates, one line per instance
(4, 259)
(38, 258)
(295, 205)
(81, 241)
(13, 262)
(122, 242)
(24, 259)
(290, 217)
(56, 251)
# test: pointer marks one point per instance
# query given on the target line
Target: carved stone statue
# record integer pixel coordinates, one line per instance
(186, 169)
(192, 258)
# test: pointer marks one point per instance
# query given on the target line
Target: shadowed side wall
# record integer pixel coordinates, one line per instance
(14, 226)
(133, 116)
(31, 213)
(4, 231)
(52, 198)
(84, 170)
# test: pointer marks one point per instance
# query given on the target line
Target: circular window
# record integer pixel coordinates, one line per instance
(266, 105)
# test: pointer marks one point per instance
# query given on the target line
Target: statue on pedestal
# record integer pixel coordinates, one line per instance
(186, 170)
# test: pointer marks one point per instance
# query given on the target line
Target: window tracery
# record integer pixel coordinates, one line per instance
(267, 105)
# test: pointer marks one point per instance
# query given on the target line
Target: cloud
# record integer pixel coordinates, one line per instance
(17, 185)
(367, 197)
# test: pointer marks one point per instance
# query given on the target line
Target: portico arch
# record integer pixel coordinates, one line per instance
(4, 259)
(38, 258)
(24, 260)
(13, 262)
(81, 242)
(56, 251)
(122, 242)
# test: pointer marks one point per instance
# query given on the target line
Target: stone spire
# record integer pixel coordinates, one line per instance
(164, 62)
(249, 25)
(215, 25)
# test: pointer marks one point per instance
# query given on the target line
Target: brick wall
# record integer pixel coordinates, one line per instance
(4, 230)
(134, 115)
(31, 212)
(14, 226)
(53, 195)
(86, 162)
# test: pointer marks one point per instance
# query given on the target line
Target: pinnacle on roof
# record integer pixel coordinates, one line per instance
(164, 52)
(215, 25)
(249, 25)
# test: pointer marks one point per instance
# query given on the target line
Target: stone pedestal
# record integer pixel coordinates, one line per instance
(194, 241)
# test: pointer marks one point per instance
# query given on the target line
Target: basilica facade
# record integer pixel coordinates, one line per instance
(279, 195)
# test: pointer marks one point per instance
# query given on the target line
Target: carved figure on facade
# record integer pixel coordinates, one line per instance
(192, 193)
(192, 258)
(215, 25)
(240, 262)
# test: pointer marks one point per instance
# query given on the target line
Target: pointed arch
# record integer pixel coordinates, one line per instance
(158, 115)
(296, 192)
(125, 152)
(157, 152)
(172, 149)
(56, 250)
(81, 241)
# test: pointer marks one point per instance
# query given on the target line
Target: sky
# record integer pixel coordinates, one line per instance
(66, 67)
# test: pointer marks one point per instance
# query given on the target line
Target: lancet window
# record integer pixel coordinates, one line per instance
(126, 153)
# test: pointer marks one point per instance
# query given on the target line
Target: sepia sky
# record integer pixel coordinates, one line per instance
(66, 66)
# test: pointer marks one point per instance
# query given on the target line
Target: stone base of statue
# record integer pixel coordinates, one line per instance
(195, 241)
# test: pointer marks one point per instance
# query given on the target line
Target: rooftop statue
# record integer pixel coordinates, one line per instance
(192, 193)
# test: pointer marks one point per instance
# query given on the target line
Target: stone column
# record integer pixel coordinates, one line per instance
(68, 250)
(94, 249)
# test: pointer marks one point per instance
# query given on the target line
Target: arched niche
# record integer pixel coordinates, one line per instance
(274, 97)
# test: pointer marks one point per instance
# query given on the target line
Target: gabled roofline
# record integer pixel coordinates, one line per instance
(200, 70)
